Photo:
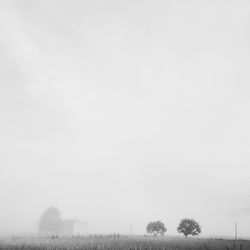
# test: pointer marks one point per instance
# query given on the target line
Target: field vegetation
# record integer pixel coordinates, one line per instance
(121, 243)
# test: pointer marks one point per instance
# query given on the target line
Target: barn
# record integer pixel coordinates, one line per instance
(74, 227)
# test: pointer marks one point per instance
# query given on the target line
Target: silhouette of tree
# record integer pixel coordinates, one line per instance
(50, 222)
(156, 228)
(189, 227)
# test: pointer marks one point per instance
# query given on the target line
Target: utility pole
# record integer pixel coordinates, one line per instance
(236, 230)
(131, 228)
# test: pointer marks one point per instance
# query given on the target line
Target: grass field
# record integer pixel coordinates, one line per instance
(122, 243)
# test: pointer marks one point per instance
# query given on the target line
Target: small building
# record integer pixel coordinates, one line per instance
(74, 228)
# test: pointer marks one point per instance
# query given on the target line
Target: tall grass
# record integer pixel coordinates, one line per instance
(120, 243)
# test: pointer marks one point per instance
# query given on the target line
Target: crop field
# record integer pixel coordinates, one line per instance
(121, 243)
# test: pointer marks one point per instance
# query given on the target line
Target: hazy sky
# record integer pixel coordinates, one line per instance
(125, 111)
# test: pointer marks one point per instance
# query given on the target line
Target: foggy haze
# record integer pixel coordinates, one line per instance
(121, 112)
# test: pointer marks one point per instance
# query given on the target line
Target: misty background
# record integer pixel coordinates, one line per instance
(122, 112)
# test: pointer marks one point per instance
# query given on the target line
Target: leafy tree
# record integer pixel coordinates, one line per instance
(156, 228)
(189, 227)
(50, 222)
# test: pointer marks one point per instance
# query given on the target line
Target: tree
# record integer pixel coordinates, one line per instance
(50, 222)
(156, 228)
(189, 227)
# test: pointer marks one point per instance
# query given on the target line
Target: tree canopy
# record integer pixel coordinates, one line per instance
(189, 227)
(156, 228)
(50, 221)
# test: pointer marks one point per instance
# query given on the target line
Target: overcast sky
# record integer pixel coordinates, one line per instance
(122, 112)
